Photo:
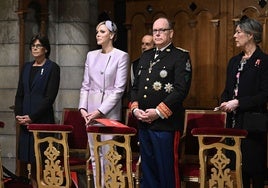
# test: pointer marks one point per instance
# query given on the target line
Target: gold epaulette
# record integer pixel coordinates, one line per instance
(182, 49)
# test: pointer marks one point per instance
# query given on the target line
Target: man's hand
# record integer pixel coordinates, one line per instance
(147, 116)
(152, 115)
(140, 114)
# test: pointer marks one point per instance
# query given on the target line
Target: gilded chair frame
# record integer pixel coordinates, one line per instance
(193, 159)
(118, 169)
(83, 152)
(131, 121)
(114, 177)
(221, 175)
(50, 170)
(78, 154)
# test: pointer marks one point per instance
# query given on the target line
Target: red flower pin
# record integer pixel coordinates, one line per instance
(257, 63)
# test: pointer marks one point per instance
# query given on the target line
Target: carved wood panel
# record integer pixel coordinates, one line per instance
(203, 27)
(195, 30)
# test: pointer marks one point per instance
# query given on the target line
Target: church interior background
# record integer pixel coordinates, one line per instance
(204, 27)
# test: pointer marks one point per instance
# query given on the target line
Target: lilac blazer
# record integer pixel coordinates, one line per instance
(104, 83)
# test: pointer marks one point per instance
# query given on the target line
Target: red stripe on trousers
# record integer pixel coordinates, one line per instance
(176, 159)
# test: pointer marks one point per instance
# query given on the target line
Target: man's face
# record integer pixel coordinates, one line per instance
(162, 33)
(147, 43)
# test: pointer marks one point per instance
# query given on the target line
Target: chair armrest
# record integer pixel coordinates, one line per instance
(219, 132)
(50, 127)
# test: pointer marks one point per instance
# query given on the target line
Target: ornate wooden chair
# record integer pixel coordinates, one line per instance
(2, 124)
(131, 121)
(221, 175)
(189, 149)
(50, 170)
(115, 175)
(77, 141)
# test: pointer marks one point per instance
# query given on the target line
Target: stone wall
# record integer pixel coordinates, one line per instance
(9, 72)
(71, 31)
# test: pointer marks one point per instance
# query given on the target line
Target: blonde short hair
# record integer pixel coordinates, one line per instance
(111, 26)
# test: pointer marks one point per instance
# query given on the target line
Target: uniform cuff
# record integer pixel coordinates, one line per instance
(164, 110)
(134, 105)
(159, 114)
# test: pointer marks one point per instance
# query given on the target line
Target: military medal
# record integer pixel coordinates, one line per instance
(157, 86)
(152, 63)
(163, 73)
(168, 87)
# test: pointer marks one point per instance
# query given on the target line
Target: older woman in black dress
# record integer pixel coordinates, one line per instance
(246, 90)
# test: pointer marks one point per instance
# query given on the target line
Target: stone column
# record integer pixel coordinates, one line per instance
(72, 34)
(9, 73)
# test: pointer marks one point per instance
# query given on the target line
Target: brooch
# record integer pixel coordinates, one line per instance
(257, 63)
(157, 86)
(163, 73)
(168, 88)
(139, 73)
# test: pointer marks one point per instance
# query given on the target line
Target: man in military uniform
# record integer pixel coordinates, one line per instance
(161, 84)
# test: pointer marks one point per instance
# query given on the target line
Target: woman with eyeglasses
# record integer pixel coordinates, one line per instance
(105, 78)
(246, 90)
(37, 90)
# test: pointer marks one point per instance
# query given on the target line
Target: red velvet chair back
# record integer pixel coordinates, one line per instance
(78, 142)
(189, 143)
(78, 137)
(198, 119)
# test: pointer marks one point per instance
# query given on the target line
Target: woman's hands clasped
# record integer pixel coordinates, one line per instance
(23, 120)
(229, 106)
(89, 117)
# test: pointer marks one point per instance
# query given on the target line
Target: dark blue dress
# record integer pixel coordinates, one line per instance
(36, 93)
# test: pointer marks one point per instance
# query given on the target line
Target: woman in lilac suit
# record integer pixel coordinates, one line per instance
(105, 78)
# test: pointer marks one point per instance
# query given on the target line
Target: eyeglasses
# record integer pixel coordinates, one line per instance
(38, 46)
(160, 31)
